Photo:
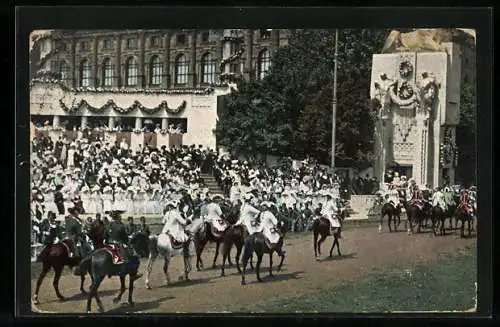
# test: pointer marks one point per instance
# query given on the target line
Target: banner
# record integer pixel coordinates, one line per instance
(71, 135)
(175, 140)
(150, 139)
(123, 135)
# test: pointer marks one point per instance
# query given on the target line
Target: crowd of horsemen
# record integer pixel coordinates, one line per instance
(261, 198)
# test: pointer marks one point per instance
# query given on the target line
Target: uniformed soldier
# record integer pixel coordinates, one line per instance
(130, 228)
(73, 227)
(117, 234)
(143, 228)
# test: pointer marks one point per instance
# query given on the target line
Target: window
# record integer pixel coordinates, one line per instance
(108, 44)
(265, 34)
(131, 71)
(155, 71)
(181, 70)
(84, 46)
(264, 63)
(85, 73)
(205, 37)
(60, 67)
(207, 69)
(107, 72)
(132, 43)
(180, 39)
(234, 68)
(155, 41)
(235, 47)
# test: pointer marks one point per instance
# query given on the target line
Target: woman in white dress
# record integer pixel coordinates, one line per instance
(49, 200)
(107, 198)
(70, 163)
(130, 199)
(139, 201)
(120, 203)
(85, 196)
(97, 200)
(148, 201)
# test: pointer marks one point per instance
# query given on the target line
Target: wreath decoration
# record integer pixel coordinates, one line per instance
(405, 68)
(75, 107)
(403, 95)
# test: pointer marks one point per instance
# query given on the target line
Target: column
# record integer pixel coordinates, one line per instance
(249, 53)
(118, 65)
(111, 122)
(138, 123)
(166, 58)
(275, 41)
(192, 62)
(451, 172)
(56, 121)
(74, 68)
(164, 123)
(96, 64)
(142, 61)
(226, 51)
(84, 122)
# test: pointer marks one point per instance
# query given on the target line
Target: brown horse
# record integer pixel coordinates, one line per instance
(463, 215)
(209, 234)
(391, 212)
(56, 256)
(321, 227)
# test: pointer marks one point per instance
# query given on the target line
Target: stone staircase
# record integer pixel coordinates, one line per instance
(212, 185)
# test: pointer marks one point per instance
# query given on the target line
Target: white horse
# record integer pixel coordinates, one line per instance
(162, 245)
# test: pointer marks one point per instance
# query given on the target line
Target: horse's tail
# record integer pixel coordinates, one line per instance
(84, 267)
(249, 248)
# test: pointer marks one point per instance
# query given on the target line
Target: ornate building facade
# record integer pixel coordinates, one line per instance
(133, 77)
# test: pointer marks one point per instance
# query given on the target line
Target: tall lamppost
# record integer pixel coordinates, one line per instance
(382, 117)
(334, 99)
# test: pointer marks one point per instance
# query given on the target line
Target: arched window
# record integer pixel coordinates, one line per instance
(107, 72)
(264, 63)
(131, 71)
(207, 69)
(64, 70)
(85, 73)
(155, 71)
(181, 70)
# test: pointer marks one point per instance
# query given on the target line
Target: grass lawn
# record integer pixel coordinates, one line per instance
(445, 285)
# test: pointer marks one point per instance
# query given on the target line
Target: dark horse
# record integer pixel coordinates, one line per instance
(391, 212)
(209, 234)
(140, 241)
(56, 256)
(461, 214)
(321, 226)
(415, 214)
(100, 264)
(257, 243)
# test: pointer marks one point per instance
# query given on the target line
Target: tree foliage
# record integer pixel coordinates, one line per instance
(466, 135)
(295, 117)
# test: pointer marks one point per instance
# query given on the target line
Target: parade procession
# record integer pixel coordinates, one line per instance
(120, 177)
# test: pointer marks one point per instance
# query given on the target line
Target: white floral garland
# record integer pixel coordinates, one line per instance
(402, 102)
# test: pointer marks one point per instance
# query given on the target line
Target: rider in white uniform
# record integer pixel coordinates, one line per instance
(213, 214)
(438, 199)
(174, 223)
(330, 210)
(268, 222)
(248, 214)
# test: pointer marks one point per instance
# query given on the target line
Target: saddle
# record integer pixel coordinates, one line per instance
(114, 250)
(271, 237)
(220, 226)
(175, 244)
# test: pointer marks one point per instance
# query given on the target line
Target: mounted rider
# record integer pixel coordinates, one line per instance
(249, 215)
(270, 225)
(214, 213)
(330, 212)
(414, 193)
(392, 196)
(464, 201)
(438, 199)
(74, 232)
(473, 199)
(117, 238)
(52, 233)
(174, 223)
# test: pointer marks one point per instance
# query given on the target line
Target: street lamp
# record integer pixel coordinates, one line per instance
(334, 100)
(382, 116)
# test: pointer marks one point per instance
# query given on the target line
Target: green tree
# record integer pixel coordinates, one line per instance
(466, 135)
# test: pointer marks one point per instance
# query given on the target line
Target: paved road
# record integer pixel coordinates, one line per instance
(364, 252)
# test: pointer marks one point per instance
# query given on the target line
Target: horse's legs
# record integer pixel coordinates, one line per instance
(338, 245)
(82, 281)
(462, 226)
(57, 275)
(122, 289)
(165, 269)
(43, 273)
(130, 291)
(333, 244)
(216, 253)
(399, 222)
(381, 222)
(469, 225)
(225, 254)
(187, 263)
(259, 261)
(199, 249)
(96, 282)
(315, 243)
(282, 255)
(239, 247)
(389, 221)
(244, 262)
(271, 263)
(321, 240)
(149, 267)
